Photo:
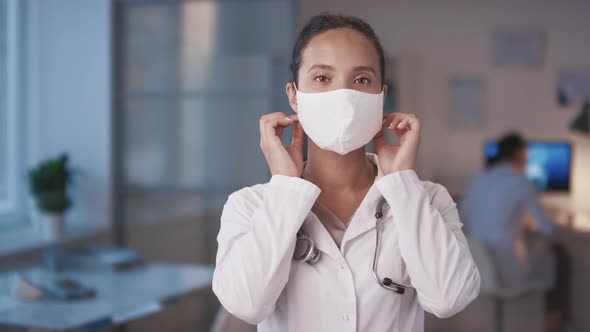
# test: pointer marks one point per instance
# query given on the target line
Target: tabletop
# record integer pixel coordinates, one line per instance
(120, 295)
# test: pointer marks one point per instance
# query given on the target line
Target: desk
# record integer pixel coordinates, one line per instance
(120, 296)
(566, 212)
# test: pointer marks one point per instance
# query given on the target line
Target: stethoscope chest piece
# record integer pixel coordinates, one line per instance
(305, 250)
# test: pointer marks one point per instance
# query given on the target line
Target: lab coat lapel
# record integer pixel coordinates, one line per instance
(364, 219)
(314, 228)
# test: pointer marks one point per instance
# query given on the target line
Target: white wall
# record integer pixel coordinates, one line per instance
(68, 96)
(454, 37)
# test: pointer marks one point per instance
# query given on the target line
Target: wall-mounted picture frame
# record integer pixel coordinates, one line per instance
(467, 102)
(573, 87)
(518, 48)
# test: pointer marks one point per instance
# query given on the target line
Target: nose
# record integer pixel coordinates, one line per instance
(342, 83)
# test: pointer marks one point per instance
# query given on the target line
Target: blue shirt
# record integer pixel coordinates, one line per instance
(493, 205)
(492, 210)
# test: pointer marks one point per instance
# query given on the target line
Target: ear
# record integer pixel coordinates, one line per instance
(292, 95)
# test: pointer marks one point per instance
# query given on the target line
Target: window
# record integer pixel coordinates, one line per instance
(11, 175)
(195, 78)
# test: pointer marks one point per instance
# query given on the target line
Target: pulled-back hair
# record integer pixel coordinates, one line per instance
(324, 22)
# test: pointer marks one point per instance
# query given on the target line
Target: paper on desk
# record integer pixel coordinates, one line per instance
(23, 289)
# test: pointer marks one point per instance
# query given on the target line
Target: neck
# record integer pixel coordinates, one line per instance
(331, 171)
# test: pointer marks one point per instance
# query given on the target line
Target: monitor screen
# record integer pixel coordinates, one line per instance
(549, 164)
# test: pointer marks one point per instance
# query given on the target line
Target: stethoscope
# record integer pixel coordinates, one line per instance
(306, 251)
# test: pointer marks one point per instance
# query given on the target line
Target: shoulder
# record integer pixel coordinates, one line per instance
(280, 189)
(440, 198)
(246, 199)
(518, 183)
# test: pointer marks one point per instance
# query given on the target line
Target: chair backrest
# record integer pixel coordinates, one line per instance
(226, 322)
(485, 265)
(490, 285)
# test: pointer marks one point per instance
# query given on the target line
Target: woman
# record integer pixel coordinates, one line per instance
(334, 199)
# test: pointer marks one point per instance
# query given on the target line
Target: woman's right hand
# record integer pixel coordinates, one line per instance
(282, 160)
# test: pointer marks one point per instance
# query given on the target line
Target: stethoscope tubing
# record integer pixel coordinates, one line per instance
(312, 254)
(386, 283)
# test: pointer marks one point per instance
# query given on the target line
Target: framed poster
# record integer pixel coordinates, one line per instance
(467, 102)
(518, 48)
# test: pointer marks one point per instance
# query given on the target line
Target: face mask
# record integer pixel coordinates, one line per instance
(340, 120)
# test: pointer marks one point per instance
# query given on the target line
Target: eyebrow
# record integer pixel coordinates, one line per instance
(356, 69)
(365, 68)
(320, 66)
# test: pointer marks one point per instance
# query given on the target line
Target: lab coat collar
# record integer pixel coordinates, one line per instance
(362, 221)
(373, 158)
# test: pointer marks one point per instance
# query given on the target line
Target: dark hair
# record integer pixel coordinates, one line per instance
(509, 146)
(324, 22)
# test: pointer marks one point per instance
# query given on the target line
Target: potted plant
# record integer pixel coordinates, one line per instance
(49, 184)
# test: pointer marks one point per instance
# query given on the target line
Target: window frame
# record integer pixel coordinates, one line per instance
(11, 208)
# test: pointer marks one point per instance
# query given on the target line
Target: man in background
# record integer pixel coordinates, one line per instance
(500, 209)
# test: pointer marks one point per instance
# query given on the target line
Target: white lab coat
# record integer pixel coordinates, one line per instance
(422, 244)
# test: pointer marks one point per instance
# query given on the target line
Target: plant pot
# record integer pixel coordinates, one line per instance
(35, 216)
(51, 225)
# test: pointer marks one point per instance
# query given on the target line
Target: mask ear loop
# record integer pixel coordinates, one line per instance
(295, 86)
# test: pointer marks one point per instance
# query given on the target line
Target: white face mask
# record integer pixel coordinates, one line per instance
(340, 120)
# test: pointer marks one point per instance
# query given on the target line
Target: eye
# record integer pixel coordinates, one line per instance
(321, 78)
(362, 80)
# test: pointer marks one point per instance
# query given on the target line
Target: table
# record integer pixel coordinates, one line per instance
(121, 296)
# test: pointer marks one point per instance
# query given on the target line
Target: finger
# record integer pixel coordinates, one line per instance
(387, 119)
(276, 115)
(409, 122)
(277, 119)
(379, 140)
(282, 123)
(298, 137)
(395, 122)
(273, 115)
(414, 123)
(403, 124)
(269, 122)
(266, 136)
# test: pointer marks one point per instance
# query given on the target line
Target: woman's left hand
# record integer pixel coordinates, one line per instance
(394, 158)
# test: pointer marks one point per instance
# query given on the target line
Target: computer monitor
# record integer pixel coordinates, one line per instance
(549, 164)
